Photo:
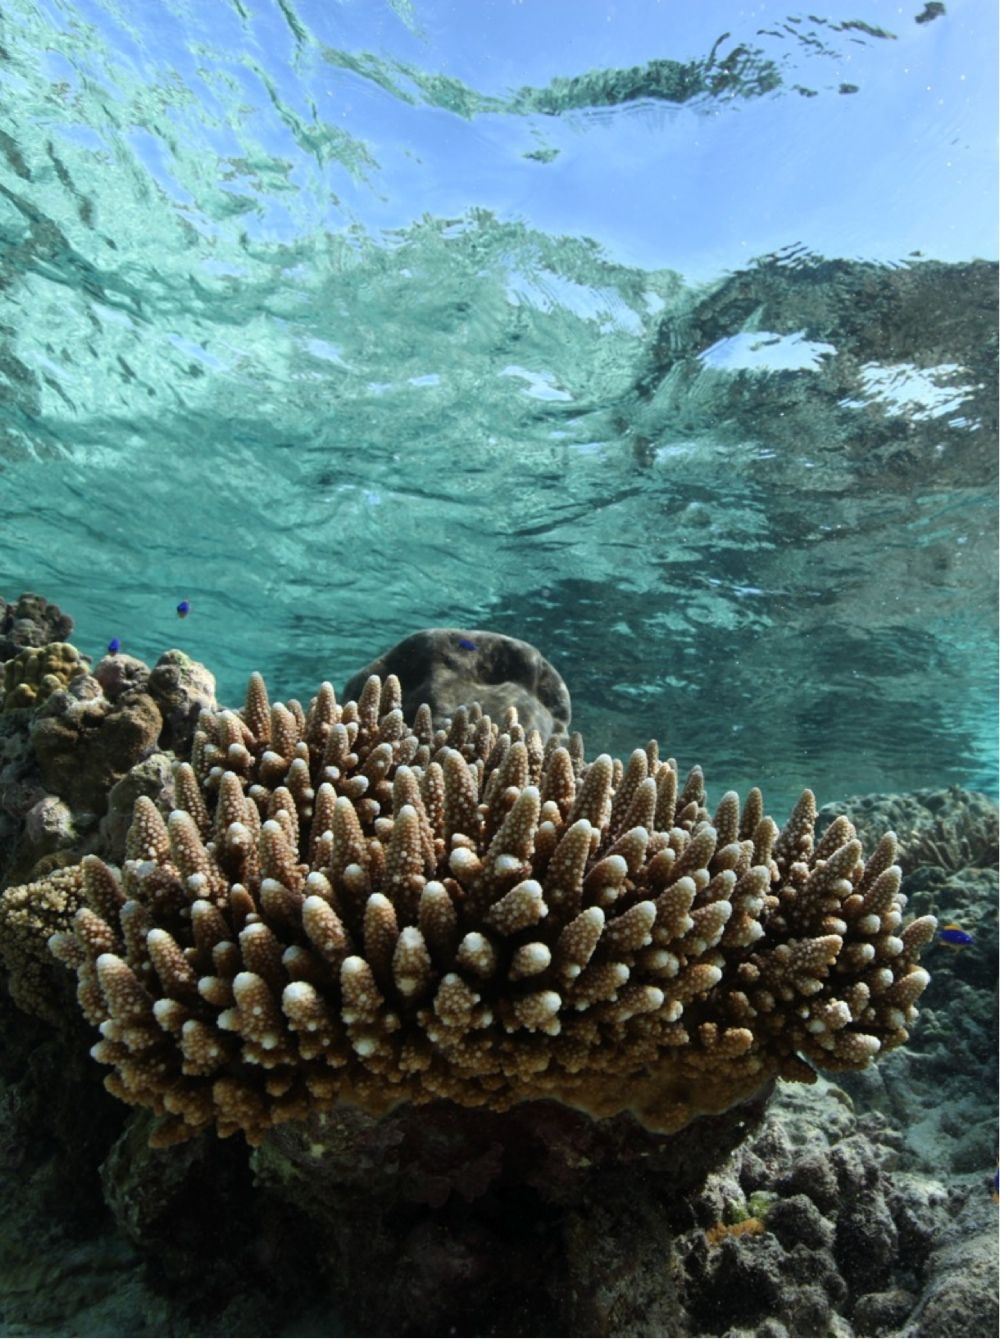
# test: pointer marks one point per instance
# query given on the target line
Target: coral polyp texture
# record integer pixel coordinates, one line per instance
(346, 907)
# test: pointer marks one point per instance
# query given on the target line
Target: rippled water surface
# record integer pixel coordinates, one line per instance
(662, 335)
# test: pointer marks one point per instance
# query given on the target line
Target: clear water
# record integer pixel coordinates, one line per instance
(612, 325)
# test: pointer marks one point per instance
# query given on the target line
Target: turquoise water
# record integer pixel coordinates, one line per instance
(660, 335)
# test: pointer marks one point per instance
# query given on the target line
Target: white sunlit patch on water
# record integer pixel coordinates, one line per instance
(674, 450)
(918, 392)
(319, 348)
(367, 497)
(762, 351)
(194, 350)
(539, 384)
(549, 292)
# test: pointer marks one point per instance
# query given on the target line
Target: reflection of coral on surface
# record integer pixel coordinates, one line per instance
(347, 908)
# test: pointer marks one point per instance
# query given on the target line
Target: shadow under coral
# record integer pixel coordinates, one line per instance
(440, 1216)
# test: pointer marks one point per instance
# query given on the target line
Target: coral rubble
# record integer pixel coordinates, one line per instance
(344, 907)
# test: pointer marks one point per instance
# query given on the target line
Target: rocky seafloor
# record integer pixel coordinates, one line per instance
(863, 1206)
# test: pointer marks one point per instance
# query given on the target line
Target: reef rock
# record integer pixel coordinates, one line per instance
(84, 743)
(31, 621)
(181, 687)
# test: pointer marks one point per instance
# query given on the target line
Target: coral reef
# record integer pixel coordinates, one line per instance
(75, 742)
(33, 675)
(153, 777)
(84, 743)
(345, 908)
(950, 829)
(31, 621)
(870, 1216)
(21, 788)
(181, 688)
(29, 913)
(121, 673)
(940, 1091)
(450, 667)
(852, 1242)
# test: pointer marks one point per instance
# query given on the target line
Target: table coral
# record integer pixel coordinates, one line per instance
(345, 907)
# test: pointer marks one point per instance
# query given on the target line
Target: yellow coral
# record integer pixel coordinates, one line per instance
(38, 671)
(348, 908)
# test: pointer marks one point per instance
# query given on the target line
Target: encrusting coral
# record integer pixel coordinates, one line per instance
(345, 907)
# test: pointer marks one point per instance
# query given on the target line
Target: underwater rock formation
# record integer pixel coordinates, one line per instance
(30, 621)
(181, 688)
(84, 743)
(347, 908)
(448, 668)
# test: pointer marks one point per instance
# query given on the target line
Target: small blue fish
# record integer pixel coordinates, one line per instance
(184, 608)
(466, 644)
(955, 936)
(114, 646)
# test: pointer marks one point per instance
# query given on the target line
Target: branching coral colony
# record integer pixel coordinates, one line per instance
(345, 907)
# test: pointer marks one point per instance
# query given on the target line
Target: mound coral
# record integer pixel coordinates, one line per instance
(34, 674)
(345, 907)
(446, 667)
